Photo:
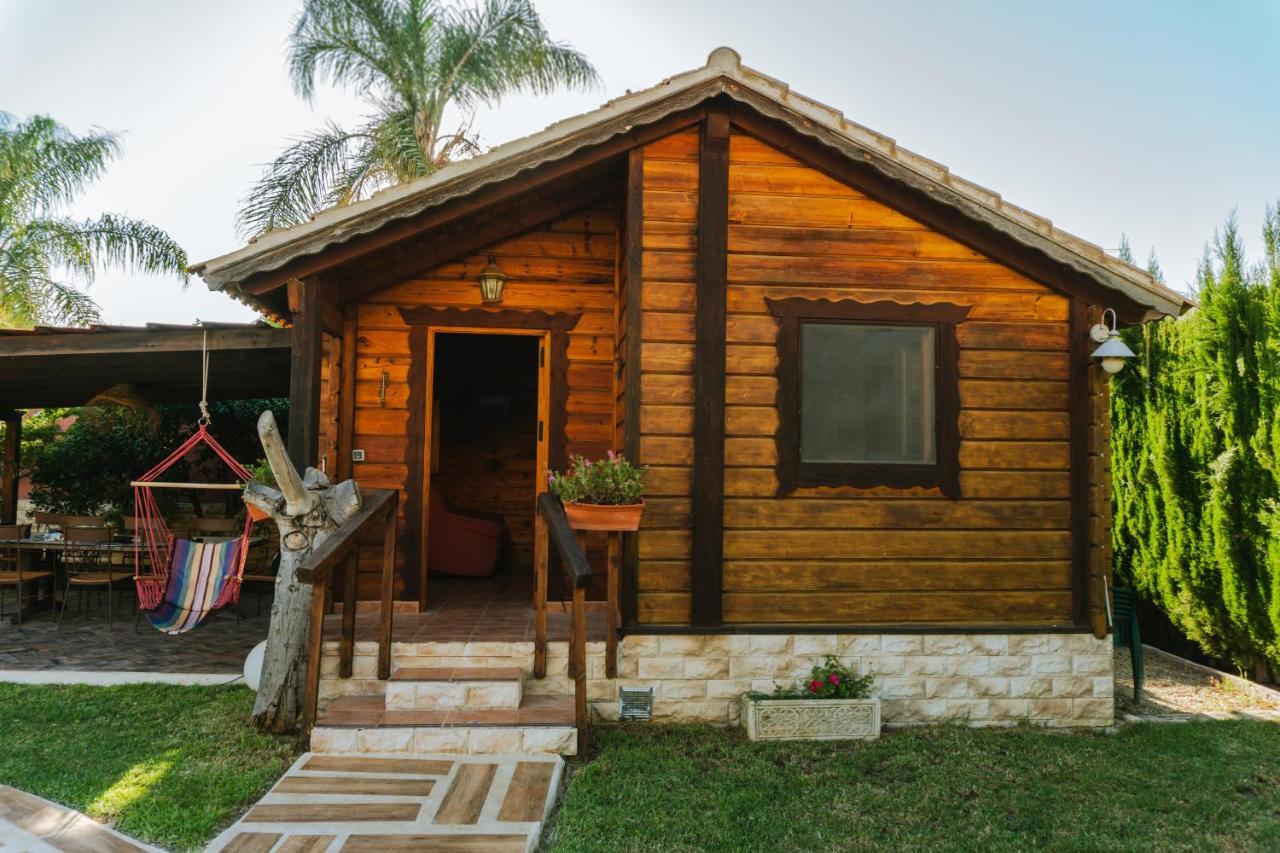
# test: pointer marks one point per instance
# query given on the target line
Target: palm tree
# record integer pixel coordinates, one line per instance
(413, 59)
(43, 167)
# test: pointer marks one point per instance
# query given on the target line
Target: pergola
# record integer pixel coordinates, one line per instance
(50, 367)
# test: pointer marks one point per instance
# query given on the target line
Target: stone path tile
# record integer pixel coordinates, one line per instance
(29, 823)
(386, 803)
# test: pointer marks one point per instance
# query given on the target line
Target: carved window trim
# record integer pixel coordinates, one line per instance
(792, 473)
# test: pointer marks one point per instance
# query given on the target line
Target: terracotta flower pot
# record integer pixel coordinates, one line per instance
(255, 513)
(604, 516)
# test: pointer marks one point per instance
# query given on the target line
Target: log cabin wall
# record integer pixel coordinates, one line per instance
(1001, 554)
(669, 208)
(567, 265)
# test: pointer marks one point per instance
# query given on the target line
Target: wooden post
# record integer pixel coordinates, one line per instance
(347, 395)
(581, 536)
(709, 369)
(388, 587)
(315, 641)
(578, 655)
(347, 642)
(306, 304)
(614, 569)
(12, 465)
(540, 554)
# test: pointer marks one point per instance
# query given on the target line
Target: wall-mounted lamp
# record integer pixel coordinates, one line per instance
(1113, 351)
(491, 280)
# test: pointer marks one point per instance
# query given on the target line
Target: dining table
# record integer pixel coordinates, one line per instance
(49, 547)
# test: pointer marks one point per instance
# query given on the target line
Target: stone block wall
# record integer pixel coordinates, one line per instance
(1059, 680)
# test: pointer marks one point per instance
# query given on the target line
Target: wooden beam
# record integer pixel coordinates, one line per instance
(12, 465)
(304, 375)
(1078, 347)
(148, 341)
(633, 264)
(347, 394)
(709, 367)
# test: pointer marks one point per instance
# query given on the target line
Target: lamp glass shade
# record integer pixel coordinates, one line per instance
(491, 280)
(1113, 348)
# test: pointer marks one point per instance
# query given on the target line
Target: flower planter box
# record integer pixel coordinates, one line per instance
(811, 719)
(613, 517)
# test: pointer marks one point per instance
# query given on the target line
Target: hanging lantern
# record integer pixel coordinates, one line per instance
(1114, 350)
(491, 280)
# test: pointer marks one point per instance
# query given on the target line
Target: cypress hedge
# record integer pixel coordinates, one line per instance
(1196, 458)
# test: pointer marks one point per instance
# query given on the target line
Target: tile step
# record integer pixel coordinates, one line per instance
(374, 711)
(472, 688)
(411, 740)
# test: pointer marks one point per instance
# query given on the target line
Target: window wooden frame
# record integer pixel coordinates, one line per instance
(944, 472)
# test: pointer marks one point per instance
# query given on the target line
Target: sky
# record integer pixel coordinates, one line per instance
(1155, 119)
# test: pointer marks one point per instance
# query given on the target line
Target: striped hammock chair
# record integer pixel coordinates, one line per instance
(188, 580)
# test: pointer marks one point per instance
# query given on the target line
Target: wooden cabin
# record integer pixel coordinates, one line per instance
(862, 387)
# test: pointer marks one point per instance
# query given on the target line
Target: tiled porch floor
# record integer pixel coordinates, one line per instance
(470, 610)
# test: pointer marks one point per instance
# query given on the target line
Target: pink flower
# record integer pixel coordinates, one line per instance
(612, 456)
(815, 686)
(833, 678)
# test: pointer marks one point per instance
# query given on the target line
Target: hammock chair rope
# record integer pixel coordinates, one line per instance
(155, 541)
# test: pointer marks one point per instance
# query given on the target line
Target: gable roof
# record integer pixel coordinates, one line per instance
(724, 74)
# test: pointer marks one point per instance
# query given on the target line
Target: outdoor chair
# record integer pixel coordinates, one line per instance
(12, 571)
(88, 565)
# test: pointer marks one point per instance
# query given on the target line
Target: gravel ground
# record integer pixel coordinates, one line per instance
(1171, 689)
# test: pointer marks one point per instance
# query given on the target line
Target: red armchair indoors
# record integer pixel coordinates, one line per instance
(464, 544)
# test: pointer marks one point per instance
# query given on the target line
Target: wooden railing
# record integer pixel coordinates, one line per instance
(552, 528)
(339, 549)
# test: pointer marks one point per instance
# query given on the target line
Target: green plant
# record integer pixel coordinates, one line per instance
(827, 680)
(1196, 458)
(262, 473)
(612, 481)
(43, 169)
(412, 60)
(86, 470)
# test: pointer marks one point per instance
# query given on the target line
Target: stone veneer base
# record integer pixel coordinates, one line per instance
(1059, 680)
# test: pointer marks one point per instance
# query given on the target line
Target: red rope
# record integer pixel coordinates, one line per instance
(153, 535)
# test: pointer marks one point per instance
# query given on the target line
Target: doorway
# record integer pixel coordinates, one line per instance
(486, 460)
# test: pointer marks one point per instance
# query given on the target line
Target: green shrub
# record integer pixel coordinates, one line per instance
(86, 470)
(1196, 458)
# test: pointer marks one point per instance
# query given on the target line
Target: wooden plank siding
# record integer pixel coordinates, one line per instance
(566, 265)
(669, 208)
(1000, 554)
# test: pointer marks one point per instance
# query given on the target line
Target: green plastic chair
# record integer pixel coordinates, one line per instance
(1124, 632)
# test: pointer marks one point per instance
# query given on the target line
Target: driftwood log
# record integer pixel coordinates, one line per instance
(306, 509)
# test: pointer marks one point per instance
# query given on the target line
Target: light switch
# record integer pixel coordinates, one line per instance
(357, 456)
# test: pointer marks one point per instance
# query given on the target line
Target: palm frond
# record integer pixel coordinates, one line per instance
(117, 241)
(43, 165)
(501, 46)
(300, 182)
(367, 45)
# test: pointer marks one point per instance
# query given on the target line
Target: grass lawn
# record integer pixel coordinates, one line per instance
(1168, 787)
(166, 764)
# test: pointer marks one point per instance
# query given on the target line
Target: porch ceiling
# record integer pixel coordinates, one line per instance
(47, 367)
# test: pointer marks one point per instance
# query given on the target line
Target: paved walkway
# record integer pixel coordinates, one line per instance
(86, 643)
(29, 824)
(494, 804)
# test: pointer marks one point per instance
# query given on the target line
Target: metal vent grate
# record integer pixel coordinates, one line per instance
(635, 703)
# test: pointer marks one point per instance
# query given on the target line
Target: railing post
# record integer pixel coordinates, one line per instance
(540, 565)
(581, 536)
(315, 641)
(388, 588)
(578, 654)
(614, 570)
(347, 642)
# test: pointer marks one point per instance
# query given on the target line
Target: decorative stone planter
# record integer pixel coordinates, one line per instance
(811, 719)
